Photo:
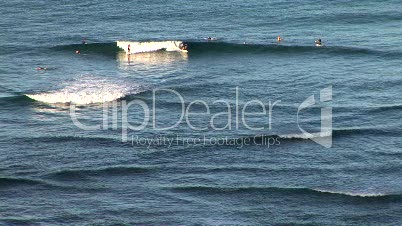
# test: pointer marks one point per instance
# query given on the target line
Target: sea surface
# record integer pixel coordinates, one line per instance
(170, 138)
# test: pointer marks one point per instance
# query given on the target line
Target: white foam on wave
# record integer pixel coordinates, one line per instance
(355, 194)
(142, 47)
(88, 90)
(307, 135)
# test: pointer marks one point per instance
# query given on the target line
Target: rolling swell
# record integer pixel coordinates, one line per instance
(384, 108)
(12, 182)
(225, 47)
(287, 191)
(202, 47)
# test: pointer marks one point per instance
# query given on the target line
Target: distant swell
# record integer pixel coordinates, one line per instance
(291, 191)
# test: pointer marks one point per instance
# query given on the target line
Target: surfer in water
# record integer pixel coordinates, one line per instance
(183, 46)
(209, 38)
(41, 68)
(279, 38)
(318, 42)
(84, 41)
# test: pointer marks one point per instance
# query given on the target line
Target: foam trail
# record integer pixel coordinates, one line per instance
(142, 47)
(87, 91)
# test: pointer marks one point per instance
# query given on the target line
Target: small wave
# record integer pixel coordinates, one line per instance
(364, 131)
(11, 181)
(283, 191)
(358, 194)
(69, 174)
(98, 141)
(336, 132)
(386, 108)
(88, 91)
(292, 136)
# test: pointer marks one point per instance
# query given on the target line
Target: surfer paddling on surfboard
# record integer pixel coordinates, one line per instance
(318, 42)
(210, 38)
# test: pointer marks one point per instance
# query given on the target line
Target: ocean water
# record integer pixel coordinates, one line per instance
(211, 168)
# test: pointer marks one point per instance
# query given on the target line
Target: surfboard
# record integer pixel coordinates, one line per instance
(211, 39)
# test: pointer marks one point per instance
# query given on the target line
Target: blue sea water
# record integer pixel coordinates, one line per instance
(55, 173)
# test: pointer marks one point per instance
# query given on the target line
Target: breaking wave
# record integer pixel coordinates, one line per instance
(152, 46)
(88, 90)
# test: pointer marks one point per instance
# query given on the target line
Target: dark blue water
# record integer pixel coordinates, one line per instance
(55, 173)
